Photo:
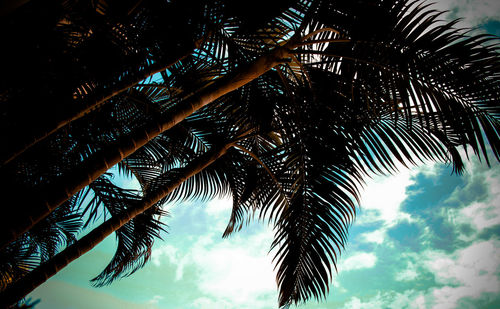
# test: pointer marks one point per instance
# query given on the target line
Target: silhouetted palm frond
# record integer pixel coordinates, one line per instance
(16, 260)
(135, 241)
(370, 110)
(41, 243)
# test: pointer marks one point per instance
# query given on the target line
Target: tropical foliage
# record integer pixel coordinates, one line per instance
(285, 109)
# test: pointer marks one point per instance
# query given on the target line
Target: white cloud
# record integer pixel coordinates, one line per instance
(337, 287)
(238, 270)
(467, 266)
(410, 299)
(468, 272)
(486, 213)
(381, 200)
(231, 273)
(358, 261)
(482, 215)
(168, 251)
(377, 236)
(155, 300)
(429, 169)
(473, 13)
(218, 208)
(479, 199)
(173, 255)
(205, 302)
(218, 211)
(383, 195)
(408, 274)
(356, 303)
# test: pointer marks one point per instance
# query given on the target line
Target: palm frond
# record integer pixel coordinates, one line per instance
(135, 241)
(41, 243)
(17, 259)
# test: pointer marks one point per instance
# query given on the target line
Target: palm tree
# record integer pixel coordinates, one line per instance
(134, 250)
(27, 283)
(42, 202)
(39, 244)
(345, 96)
(109, 54)
(124, 43)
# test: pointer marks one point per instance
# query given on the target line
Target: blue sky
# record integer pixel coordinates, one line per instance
(422, 239)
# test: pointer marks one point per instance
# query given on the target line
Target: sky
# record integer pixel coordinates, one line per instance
(423, 238)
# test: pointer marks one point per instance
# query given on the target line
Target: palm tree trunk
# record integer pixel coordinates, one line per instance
(29, 282)
(28, 139)
(41, 206)
(9, 6)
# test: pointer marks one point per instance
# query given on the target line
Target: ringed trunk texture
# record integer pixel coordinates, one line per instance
(41, 206)
(28, 139)
(19, 289)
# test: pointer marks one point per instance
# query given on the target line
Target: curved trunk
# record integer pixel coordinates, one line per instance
(29, 282)
(42, 205)
(39, 132)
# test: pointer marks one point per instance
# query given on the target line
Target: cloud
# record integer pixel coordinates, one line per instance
(474, 266)
(410, 299)
(467, 273)
(173, 256)
(408, 274)
(155, 300)
(230, 273)
(473, 13)
(205, 302)
(377, 236)
(481, 214)
(381, 200)
(429, 169)
(238, 270)
(358, 261)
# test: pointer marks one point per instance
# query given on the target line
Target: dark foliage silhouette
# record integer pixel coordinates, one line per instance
(286, 113)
